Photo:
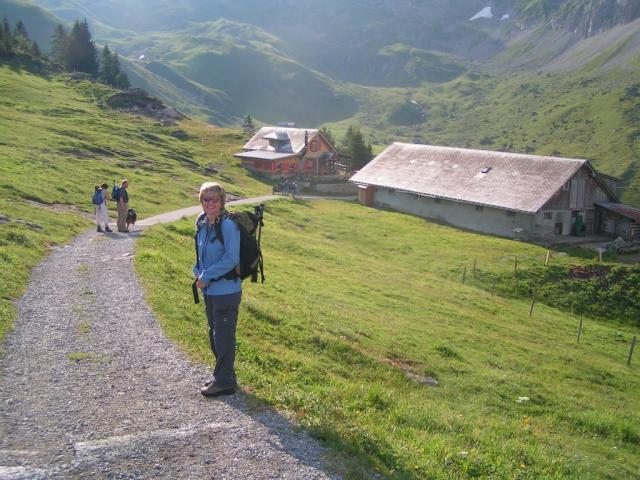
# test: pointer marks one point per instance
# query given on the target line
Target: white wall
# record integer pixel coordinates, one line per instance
(487, 220)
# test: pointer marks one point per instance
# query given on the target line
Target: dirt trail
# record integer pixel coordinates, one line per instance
(91, 388)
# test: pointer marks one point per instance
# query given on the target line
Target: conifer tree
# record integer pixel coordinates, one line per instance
(82, 55)
(35, 51)
(59, 44)
(248, 126)
(4, 42)
(107, 68)
(356, 151)
(122, 81)
(328, 135)
(21, 30)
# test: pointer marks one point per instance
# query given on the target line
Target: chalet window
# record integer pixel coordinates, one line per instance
(479, 208)
(510, 213)
(313, 146)
(548, 215)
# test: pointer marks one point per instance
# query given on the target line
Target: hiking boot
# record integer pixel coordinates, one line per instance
(213, 390)
(108, 230)
(99, 230)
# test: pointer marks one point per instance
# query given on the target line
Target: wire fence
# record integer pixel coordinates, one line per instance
(500, 278)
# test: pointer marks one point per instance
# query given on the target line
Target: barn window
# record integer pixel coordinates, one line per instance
(479, 208)
(548, 215)
(510, 213)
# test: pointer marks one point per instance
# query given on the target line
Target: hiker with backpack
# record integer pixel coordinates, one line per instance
(99, 200)
(121, 197)
(217, 256)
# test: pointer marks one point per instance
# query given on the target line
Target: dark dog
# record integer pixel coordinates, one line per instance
(132, 216)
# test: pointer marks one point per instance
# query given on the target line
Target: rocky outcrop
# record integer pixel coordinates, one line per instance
(139, 101)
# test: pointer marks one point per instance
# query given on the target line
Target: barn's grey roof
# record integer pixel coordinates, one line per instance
(260, 141)
(512, 181)
(264, 155)
(627, 211)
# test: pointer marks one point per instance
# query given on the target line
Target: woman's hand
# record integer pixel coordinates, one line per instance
(200, 283)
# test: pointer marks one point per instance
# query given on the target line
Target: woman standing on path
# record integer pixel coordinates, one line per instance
(218, 245)
(102, 212)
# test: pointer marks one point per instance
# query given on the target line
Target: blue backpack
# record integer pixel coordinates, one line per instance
(96, 199)
(115, 192)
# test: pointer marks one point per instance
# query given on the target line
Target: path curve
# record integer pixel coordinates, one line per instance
(91, 388)
(176, 215)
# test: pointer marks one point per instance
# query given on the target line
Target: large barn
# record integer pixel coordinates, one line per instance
(508, 194)
(276, 152)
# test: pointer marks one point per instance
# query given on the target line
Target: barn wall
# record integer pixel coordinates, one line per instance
(486, 219)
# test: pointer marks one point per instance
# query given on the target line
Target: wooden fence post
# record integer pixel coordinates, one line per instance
(533, 301)
(546, 260)
(515, 263)
(493, 288)
(633, 344)
(579, 330)
(474, 265)
(464, 275)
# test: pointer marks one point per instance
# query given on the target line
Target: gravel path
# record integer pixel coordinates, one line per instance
(90, 387)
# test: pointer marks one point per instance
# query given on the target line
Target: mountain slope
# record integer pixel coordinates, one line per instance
(39, 22)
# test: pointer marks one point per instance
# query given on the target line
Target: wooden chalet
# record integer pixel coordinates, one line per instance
(276, 152)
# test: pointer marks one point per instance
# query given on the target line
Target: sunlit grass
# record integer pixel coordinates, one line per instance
(361, 305)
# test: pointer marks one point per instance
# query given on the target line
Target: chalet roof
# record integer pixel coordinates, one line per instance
(627, 211)
(504, 180)
(264, 155)
(260, 141)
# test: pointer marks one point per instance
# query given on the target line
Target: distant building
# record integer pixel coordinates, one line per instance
(524, 196)
(276, 152)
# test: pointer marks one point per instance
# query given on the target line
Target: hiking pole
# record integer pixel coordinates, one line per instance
(194, 287)
(259, 211)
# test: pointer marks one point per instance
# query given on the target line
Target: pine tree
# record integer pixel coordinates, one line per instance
(59, 46)
(6, 40)
(356, 151)
(122, 81)
(35, 51)
(82, 55)
(328, 135)
(248, 126)
(107, 67)
(21, 30)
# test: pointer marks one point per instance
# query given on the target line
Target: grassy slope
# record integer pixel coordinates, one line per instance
(55, 147)
(356, 297)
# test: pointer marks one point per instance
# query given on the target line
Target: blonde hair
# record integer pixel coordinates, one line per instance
(214, 188)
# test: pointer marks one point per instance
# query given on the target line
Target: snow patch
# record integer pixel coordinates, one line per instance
(504, 17)
(484, 13)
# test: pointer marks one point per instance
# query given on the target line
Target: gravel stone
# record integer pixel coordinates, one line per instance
(91, 388)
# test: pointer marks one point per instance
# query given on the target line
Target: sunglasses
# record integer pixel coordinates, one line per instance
(210, 199)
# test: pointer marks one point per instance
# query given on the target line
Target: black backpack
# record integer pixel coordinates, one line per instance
(250, 226)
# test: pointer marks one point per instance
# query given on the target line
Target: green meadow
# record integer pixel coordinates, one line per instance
(57, 142)
(364, 310)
